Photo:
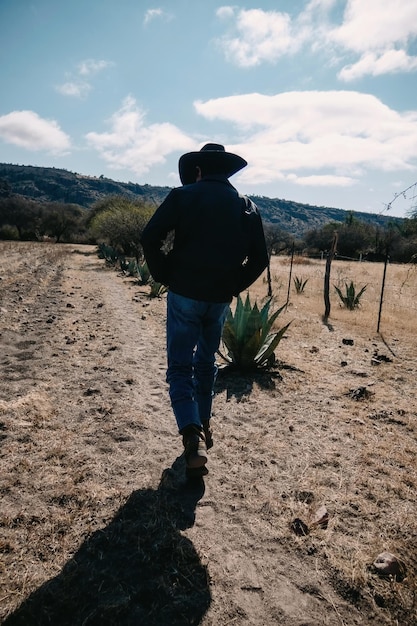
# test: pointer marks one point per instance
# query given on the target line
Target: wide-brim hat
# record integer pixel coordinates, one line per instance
(213, 156)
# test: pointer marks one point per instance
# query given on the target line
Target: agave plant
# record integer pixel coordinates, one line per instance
(132, 268)
(144, 273)
(124, 263)
(157, 289)
(351, 299)
(108, 253)
(247, 335)
(300, 284)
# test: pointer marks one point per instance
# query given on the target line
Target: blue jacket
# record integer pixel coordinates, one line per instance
(219, 245)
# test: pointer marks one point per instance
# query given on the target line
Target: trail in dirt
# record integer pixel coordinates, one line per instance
(91, 452)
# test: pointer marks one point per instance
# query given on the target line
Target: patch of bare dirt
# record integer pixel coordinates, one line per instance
(312, 474)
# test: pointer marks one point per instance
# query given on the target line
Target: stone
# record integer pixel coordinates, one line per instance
(387, 564)
(320, 518)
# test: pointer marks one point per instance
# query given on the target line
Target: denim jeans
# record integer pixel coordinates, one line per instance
(194, 329)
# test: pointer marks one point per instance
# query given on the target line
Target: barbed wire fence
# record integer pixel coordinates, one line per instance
(408, 194)
(412, 197)
(412, 194)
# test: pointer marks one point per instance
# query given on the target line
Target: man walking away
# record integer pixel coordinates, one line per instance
(219, 250)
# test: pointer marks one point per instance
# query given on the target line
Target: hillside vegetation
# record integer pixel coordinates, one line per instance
(48, 184)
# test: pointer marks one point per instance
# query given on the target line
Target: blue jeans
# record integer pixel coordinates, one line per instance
(194, 330)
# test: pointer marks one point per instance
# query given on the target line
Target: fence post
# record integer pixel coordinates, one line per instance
(268, 276)
(382, 289)
(289, 279)
(329, 260)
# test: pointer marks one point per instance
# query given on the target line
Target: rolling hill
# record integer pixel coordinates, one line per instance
(49, 184)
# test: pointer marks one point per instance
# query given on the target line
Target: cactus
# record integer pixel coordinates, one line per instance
(157, 289)
(299, 284)
(351, 299)
(247, 335)
(144, 273)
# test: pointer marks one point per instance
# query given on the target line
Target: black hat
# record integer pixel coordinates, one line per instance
(214, 156)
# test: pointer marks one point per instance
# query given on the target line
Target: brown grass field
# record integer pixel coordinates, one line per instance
(312, 475)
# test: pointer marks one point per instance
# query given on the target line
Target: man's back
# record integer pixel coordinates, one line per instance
(214, 234)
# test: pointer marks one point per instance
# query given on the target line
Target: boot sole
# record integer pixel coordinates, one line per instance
(196, 461)
(196, 472)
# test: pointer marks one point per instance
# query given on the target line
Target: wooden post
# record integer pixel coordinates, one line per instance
(329, 260)
(268, 275)
(289, 279)
(382, 289)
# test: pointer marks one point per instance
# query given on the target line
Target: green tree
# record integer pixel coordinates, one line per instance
(277, 239)
(355, 237)
(120, 223)
(320, 239)
(5, 189)
(21, 213)
(62, 221)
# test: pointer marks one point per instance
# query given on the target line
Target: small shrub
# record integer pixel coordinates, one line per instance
(132, 268)
(144, 273)
(108, 253)
(157, 289)
(124, 263)
(299, 284)
(247, 335)
(351, 299)
(9, 233)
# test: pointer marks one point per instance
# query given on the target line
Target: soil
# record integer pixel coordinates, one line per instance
(311, 476)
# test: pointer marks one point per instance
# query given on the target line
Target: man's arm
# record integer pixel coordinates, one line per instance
(258, 254)
(153, 238)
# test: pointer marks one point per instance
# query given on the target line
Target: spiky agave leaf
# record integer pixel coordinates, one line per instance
(270, 344)
(339, 293)
(352, 299)
(243, 319)
(241, 330)
(267, 323)
(230, 343)
(144, 273)
(359, 295)
(247, 334)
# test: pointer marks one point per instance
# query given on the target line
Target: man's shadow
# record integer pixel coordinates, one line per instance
(239, 383)
(139, 570)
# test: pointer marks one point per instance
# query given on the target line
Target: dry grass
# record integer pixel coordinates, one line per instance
(399, 308)
(360, 459)
(95, 529)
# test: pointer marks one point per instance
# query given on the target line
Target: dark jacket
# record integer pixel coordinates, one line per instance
(219, 245)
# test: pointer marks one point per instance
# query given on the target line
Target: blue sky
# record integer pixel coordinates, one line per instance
(319, 96)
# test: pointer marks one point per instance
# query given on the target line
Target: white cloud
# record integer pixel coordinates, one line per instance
(321, 5)
(304, 136)
(77, 86)
(225, 12)
(74, 89)
(371, 64)
(376, 25)
(27, 130)
(91, 66)
(260, 36)
(152, 14)
(379, 32)
(327, 180)
(131, 144)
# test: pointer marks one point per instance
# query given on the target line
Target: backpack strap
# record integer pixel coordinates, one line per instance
(250, 207)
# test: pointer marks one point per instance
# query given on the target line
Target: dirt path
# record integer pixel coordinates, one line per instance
(97, 524)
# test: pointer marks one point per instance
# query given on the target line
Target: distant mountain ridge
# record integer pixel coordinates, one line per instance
(49, 184)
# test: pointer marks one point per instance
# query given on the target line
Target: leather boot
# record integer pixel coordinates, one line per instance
(194, 446)
(208, 434)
